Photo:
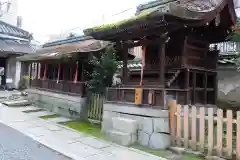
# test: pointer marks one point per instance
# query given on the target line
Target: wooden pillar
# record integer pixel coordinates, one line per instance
(187, 77)
(194, 88)
(205, 87)
(216, 89)
(30, 74)
(37, 72)
(82, 72)
(184, 56)
(124, 51)
(162, 62)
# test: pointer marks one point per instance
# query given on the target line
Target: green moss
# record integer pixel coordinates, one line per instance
(49, 116)
(143, 15)
(86, 127)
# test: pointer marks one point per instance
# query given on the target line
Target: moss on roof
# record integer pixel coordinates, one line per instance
(142, 15)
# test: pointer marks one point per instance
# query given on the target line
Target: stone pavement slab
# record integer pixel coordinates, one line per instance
(40, 113)
(28, 108)
(66, 141)
(59, 120)
(94, 142)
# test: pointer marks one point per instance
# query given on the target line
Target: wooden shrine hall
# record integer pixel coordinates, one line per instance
(177, 61)
(60, 66)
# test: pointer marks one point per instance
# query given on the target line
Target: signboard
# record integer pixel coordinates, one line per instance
(138, 96)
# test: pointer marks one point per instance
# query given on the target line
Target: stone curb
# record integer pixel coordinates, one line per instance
(179, 150)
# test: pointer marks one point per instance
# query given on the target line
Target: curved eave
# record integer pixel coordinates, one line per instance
(176, 18)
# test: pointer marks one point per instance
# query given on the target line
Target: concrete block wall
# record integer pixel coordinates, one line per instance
(65, 105)
(153, 125)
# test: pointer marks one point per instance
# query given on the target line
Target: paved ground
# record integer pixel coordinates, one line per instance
(16, 146)
(66, 141)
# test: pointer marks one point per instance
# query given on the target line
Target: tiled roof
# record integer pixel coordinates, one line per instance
(67, 41)
(51, 51)
(14, 46)
(10, 30)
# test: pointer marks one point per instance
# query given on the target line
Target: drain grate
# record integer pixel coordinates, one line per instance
(35, 110)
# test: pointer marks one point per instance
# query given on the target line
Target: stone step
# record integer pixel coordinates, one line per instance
(17, 103)
(122, 138)
(125, 125)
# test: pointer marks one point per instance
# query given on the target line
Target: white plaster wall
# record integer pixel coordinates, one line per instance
(13, 70)
(229, 85)
(17, 73)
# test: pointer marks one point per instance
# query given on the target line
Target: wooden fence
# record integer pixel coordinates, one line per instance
(211, 131)
(95, 108)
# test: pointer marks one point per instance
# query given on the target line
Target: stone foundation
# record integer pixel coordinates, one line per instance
(152, 124)
(65, 105)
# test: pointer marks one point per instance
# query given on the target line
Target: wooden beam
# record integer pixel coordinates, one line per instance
(194, 87)
(187, 77)
(205, 87)
(143, 42)
(162, 50)
(124, 51)
(216, 89)
(184, 56)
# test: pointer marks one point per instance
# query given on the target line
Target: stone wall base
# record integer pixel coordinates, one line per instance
(153, 124)
(65, 105)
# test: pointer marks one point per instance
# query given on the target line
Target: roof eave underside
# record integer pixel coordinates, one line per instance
(177, 18)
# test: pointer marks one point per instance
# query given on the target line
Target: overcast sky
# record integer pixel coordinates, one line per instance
(44, 17)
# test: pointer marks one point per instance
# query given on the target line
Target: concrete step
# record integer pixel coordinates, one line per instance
(125, 125)
(122, 138)
(17, 103)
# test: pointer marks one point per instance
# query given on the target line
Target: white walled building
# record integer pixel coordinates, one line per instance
(14, 42)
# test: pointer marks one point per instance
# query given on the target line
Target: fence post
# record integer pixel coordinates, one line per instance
(210, 131)
(229, 133)
(238, 136)
(186, 126)
(194, 125)
(202, 129)
(178, 127)
(219, 131)
(172, 106)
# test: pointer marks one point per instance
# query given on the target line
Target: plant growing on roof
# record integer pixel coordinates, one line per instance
(104, 67)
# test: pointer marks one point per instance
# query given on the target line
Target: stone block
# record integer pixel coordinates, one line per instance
(125, 125)
(146, 125)
(106, 124)
(159, 141)
(161, 125)
(60, 104)
(121, 138)
(143, 138)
